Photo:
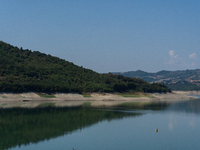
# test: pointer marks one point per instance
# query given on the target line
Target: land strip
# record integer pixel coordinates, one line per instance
(32, 100)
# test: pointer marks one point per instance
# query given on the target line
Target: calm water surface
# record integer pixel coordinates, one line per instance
(178, 127)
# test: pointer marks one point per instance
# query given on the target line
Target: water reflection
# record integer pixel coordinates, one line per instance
(191, 106)
(25, 126)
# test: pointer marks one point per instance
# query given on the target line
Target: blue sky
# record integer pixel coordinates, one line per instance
(107, 35)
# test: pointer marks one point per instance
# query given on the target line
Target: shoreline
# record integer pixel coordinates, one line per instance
(33, 100)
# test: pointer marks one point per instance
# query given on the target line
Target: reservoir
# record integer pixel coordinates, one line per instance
(153, 127)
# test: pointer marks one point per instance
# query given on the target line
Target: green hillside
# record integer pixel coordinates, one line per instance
(175, 80)
(24, 70)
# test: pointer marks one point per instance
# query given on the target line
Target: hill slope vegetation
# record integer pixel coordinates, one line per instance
(175, 80)
(23, 70)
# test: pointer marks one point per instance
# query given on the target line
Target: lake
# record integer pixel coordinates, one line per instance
(83, 128)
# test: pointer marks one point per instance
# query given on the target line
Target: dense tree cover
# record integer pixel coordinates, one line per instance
(175, 80)
(24, 70)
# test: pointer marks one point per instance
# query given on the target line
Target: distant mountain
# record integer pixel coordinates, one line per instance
(23, 70)
(175, 80)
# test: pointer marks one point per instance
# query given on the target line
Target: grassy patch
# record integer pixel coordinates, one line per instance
(46, 95)
(86, 95)
(3, 105)
(86, 104)
(131, 95)
(46, 105)
(150, 96)
(4, 97)
(138, 95)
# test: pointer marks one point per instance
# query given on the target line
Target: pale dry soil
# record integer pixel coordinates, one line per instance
(31, 100)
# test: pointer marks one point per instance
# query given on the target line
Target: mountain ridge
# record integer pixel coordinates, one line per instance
(175, 80)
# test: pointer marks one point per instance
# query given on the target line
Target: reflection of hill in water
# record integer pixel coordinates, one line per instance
(24, 126)
(144, 106)
(192, 106)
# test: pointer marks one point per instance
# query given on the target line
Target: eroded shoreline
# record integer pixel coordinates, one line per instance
(32, 100)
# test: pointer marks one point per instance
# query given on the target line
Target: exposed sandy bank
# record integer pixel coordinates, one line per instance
(187, 92)
(31, 99)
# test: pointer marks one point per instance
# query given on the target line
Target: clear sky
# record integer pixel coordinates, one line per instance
(107, 35)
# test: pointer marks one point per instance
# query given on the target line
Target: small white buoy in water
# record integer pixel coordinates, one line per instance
(156, 130)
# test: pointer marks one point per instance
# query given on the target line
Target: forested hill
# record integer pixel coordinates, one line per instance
(175, 80)
(24, 70)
